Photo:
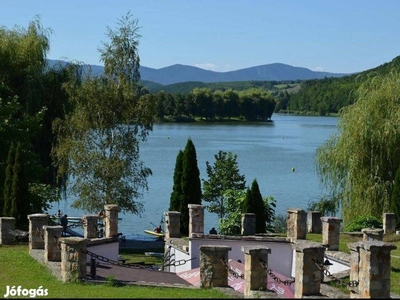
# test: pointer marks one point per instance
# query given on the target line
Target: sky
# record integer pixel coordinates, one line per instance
(337, 36)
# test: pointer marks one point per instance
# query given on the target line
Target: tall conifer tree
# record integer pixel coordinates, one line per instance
(5, 207)
(20, 207)
(254, 203)
(176, 195)
(191, 185)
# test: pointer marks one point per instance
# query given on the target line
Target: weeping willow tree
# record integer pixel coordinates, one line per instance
(359, 161)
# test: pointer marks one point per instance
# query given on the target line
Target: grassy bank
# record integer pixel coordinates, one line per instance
(18, 268)
(345, 239)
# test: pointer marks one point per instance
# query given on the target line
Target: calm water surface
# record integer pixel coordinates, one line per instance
(266, 152)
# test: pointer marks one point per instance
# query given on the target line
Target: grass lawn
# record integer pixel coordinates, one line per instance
(18, 268)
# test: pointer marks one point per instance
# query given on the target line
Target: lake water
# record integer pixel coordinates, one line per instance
(266, 152)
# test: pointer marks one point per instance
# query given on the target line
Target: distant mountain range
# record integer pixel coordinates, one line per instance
(183, 73)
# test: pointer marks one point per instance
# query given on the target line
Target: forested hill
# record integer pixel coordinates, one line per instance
(182, 73)
(329, 95)
(269, 72)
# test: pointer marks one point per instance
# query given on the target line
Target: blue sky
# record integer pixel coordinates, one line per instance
(223, 35)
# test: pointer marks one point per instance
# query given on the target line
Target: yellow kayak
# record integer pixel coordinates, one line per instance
(154, 233)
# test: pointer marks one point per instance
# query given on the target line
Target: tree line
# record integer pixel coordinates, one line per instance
(249, 105)
(187, 87)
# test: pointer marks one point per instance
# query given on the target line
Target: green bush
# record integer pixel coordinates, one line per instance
(363, 222)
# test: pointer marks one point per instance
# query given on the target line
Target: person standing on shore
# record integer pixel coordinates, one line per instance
(64, 224)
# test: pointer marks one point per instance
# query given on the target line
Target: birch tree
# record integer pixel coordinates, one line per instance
(98, 144)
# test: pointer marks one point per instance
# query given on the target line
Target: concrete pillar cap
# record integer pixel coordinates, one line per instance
(172, 213)
(7, 218)
(90, 216)
(38, 216)
(111, 207)
(331, 219)
(295, 210)
(195, 206)
(73, 240)
(305, 246)
(371, 245)
(254, 249)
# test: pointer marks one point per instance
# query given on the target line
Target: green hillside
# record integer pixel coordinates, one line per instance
(329, 95)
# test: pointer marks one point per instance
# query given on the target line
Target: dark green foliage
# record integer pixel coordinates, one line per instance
(251, 105)
(32, 96)
(327, 206)
(177, 194)
(191, 186)
(269, 212)
(5, 207)
(363, 222)
(20, 205)
(248, 203)
(395, 198)
(55, 99)
(254, 203)
(189, 86)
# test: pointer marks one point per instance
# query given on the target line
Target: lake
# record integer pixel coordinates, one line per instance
(280, 155)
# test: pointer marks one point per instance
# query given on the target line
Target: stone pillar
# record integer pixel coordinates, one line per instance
(248, 224)
(213, 266)
(90, 227)
(36, 236)
(308, 276)
(372, 234)
(296, 223)
(73, 258)
(331, 232)
(111, 220)
(7, 224)
(389, 223)
(172, 224)
(370, 267)
(52, 250)
(314, 222)
(255, 275)
(196, 219)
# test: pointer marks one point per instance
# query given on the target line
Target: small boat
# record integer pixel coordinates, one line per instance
(152, 232)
